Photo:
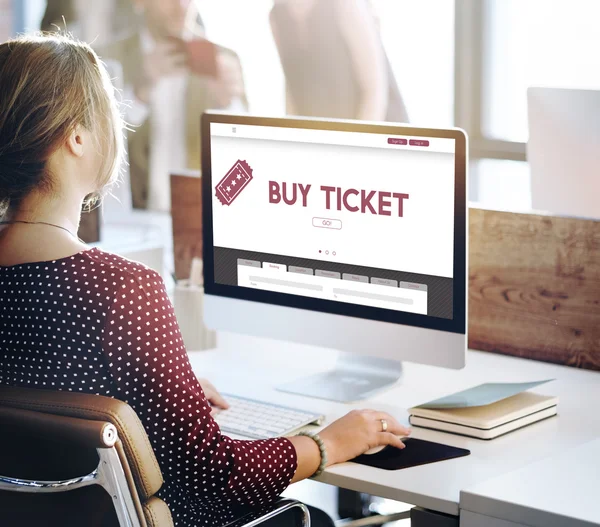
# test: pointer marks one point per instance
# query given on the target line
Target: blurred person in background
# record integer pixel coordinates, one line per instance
(171, 76)
(59, 16)
(334, 61)
(89, 21)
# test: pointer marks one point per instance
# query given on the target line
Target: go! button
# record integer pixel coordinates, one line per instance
(327, 223)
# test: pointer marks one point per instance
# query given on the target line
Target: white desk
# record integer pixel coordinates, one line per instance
(563, 489)
(252, 367)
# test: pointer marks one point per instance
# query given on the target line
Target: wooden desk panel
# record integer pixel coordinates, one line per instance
(186, 211)
(534, 287)
(89, 226)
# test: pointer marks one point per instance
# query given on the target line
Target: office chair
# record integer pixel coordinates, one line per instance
(79, 459)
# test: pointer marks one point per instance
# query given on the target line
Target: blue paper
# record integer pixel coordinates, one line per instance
(482, 395)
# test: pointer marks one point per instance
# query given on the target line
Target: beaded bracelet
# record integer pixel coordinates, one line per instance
(322, 450)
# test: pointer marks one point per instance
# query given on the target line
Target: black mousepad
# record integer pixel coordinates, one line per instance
(417, 452)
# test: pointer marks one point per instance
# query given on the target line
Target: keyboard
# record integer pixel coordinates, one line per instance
(260, 420)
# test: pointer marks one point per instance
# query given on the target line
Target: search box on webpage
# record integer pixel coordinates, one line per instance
(373, 296)
(286, 283)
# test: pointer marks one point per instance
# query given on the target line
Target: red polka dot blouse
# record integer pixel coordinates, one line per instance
(98, 323)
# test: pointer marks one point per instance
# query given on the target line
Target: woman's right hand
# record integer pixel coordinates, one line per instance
(359, 431)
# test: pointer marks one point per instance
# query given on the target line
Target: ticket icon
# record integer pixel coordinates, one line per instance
(236, 180)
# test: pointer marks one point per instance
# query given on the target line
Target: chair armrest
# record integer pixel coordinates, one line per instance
(84, 432)
(282, 505)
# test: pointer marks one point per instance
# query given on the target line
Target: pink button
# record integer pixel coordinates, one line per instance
(418, 142)
(397, 141)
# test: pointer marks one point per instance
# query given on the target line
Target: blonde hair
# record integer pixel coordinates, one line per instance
(49, 85)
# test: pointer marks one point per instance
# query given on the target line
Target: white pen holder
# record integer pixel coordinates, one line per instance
(189, 309)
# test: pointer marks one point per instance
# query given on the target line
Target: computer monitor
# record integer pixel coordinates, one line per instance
(564, 151)
(337, 234)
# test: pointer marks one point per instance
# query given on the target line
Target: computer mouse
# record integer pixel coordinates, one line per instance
(377, 449)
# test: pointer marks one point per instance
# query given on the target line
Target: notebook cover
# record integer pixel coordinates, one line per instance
(481, 433)
(495, 414)
(417, 452)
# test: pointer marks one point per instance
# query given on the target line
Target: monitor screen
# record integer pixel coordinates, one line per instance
(347, 222)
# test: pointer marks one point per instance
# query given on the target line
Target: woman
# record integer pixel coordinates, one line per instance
(80, 319)
(334, 61)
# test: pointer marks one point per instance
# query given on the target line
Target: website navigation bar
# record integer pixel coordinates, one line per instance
(331, 285)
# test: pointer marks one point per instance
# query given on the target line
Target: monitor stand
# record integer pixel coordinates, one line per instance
(355, 377)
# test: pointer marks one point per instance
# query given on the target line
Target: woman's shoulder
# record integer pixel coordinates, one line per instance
(118, 267)
(129, 286)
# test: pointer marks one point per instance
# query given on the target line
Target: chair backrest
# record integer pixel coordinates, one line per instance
(55, 441)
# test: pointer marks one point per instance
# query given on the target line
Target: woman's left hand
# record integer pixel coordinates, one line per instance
(213, 396)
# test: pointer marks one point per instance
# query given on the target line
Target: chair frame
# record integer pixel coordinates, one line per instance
(109, 474)
(272, 511)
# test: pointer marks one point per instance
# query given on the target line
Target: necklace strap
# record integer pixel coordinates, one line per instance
(12, 222)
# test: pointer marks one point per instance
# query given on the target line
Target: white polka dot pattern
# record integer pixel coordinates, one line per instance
(98, 323)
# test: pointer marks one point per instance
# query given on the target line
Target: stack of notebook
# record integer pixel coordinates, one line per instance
(486, 411)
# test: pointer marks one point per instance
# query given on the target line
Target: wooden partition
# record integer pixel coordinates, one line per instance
(89, 227)
(534, 287)
(534, 280)
(186, 210)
